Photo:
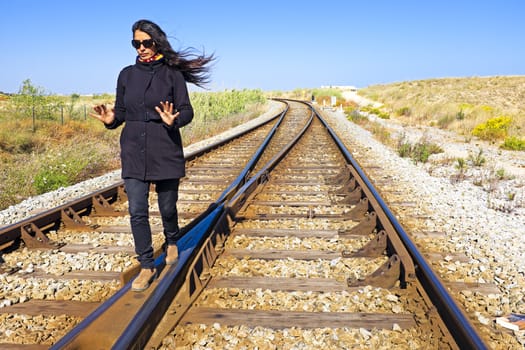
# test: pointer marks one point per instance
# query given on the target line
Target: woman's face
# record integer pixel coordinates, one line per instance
(143, 51)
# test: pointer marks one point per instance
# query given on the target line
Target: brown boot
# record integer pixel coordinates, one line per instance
(172, 254)
(143, 280)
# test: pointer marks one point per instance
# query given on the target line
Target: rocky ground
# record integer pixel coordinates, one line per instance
(481, 212)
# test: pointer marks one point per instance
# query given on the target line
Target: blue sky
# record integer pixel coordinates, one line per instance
(80, 46)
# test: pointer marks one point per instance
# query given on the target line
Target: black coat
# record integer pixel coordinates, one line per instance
(150, 149)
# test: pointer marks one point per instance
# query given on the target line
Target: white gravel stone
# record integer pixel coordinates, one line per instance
(476, 215)
(482, 224)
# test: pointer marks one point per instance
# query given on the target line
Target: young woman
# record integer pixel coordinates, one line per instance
(152, 102)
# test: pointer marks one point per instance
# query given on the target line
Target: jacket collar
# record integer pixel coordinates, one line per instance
(149, 65)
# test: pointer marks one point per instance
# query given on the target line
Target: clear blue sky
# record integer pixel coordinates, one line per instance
(80, 46)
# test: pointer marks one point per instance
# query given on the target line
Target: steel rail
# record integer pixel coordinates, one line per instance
(457, 322)
(53, 218)
(140, 329)
(215, 219)
(32, 229)
(243, 176)
(262, 175)
(464, 334)
(193, 235)
(199, 152)
(142, 326)
(194, 224)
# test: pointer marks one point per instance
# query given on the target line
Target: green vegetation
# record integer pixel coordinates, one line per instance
(327, 92)
(65, 168)
(211, 107)
(49, 141)
(419, 151)
(500, 174)
(381, 114)
(493, 129)
(462, 105)
(381, 133)
(476, 109)
(404, 111)
(461, 167)
(477, 159)
(322, 96)
(513, 143)
(355, 116)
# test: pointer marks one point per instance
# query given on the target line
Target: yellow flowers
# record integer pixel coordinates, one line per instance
(493, 129)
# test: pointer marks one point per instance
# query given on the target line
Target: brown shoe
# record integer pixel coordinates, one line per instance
(172, 254)
(143, 280)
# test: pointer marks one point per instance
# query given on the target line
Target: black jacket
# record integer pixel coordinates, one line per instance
(150, 149)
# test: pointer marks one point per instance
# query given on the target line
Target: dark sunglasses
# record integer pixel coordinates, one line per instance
(146, 43)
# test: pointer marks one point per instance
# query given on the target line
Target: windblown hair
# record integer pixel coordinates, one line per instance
(194, 67)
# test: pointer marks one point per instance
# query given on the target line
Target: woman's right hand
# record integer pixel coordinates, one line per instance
(104, 114)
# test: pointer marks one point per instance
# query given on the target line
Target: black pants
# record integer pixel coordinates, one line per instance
(138, 199)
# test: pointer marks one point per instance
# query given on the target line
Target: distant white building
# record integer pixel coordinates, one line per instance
(340, 87)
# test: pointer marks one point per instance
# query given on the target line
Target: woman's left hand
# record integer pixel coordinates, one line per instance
(166, 113)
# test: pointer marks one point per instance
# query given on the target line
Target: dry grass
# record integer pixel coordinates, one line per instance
(200, 129)
(51, 150)
(56, 154)
(456, 104)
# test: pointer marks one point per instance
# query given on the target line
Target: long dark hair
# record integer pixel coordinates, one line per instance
(195, 68)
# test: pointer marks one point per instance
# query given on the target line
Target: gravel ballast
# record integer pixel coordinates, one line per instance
(474, 219)
(478, 219)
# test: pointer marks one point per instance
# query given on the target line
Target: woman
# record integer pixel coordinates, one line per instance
(152, 100)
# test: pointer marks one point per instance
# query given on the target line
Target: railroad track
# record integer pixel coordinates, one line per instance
(296, 247)
(60, 265)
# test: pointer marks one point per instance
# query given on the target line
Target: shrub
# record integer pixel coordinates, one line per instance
(404, 149)
(492, 129)
(16, 142)
(59, 172)
(404, 111)
(376, 111)
(500, 174)
(478, 159)
(418, 152)
(422, 150)
(380, 132)
(461, 166)
(327, 92)
(215, 105)
(50, 179)
(487, 109)
(513, 143)
(445, 121)
(357, 117)
(216, 111)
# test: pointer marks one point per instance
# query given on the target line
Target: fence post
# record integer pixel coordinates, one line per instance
(85, 113)
(62, 114)
(34, 119)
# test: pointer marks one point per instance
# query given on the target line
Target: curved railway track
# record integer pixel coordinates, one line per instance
(287, 244)
(51, 286)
